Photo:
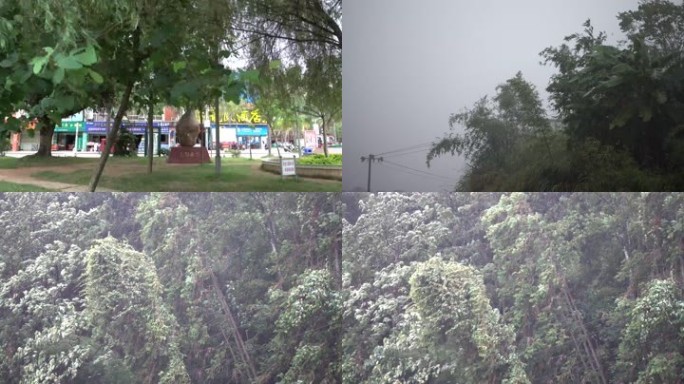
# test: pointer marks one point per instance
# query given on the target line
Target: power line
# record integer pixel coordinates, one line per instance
(418, 170)
(400, 169)
(410, 153)
(415, 146)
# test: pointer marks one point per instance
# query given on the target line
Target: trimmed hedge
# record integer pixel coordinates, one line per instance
(319, 159)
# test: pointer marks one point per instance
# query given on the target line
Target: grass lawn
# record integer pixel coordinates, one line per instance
(12, 187)
(12, 163)
(130, 175)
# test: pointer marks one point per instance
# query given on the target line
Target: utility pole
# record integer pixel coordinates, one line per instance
(371, 158)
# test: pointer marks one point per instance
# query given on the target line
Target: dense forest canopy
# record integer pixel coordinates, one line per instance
(170, 288)
(617, 124)
(513, 288)
(352, 288)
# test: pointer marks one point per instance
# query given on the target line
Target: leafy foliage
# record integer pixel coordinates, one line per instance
(125, 144)
(321, 160)
(619, 122)
(513, 287)
(174, 288)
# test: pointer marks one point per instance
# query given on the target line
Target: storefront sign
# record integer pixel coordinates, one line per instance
(69, 126)
(136, 128)
(248, 117)
(243, 130)
(248, 130)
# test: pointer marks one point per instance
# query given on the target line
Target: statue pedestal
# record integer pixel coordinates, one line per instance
(189, 155)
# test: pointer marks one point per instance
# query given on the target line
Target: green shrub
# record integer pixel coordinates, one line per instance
(4, 146)
(235, 153)
(125, 144)
(321, 160)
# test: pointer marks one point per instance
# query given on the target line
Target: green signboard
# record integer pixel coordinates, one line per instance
(70, 126)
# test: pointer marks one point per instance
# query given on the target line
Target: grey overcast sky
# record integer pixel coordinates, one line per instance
(409, 64)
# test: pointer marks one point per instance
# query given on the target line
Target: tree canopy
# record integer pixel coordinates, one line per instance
(618, 115)
(513, 288)
(173, 288)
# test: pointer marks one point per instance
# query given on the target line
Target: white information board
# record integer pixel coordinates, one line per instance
(288, 167)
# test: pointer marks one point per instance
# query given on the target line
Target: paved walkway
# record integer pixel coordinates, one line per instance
(21, 176)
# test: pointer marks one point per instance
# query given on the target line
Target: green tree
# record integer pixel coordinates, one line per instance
(648, 352)
(499, 139)
(625, 98)
(128, 315)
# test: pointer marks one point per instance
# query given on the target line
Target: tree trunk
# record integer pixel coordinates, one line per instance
(270, 135)
(111, 137)
(203, 129)
(150, 134)
(586, 340)
(47, 130)
(325, 137)
(336, 259)
(217, 160)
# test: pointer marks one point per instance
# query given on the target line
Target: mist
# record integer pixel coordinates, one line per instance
(409, 65)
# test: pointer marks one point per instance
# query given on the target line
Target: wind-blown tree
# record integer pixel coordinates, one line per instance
(394, 228)
(40, 263)
(500, 139)
(484, 344)
(618, 115)
(264, 246)
(322, 82)
(305, 34)
(660, 23)
(574, 287)
(43, 321)
(626, 98)
(203, 288)
(303, 26)
(648, 352)
(304, 353)
(271, 94)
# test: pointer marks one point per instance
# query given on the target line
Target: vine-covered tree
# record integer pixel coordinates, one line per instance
(166, 287)
(513, 287)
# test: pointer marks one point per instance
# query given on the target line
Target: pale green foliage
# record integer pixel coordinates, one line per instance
(46, 292)
(40, 269)
(393, 228)
(521, 288)
(122, 296)
(175, 291)
(311, 306)
(459, 322)
(374, 312)
(656, 327)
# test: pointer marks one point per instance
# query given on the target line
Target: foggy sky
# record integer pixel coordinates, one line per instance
(407, 65)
